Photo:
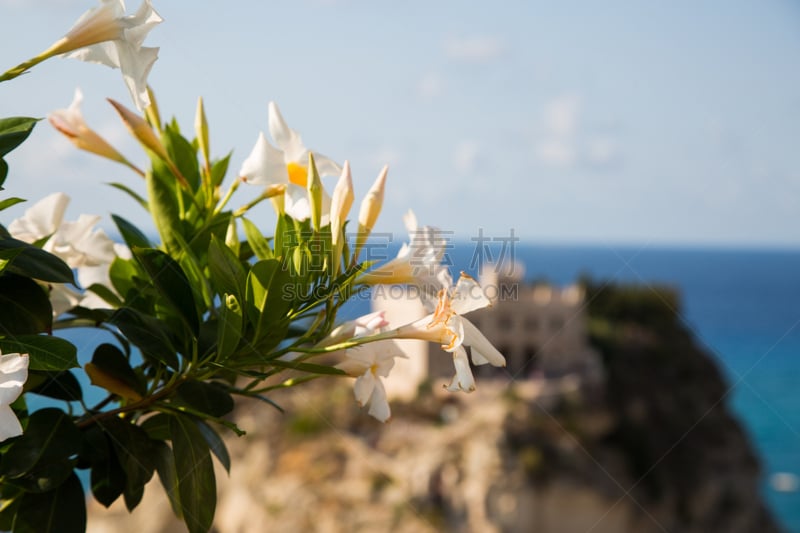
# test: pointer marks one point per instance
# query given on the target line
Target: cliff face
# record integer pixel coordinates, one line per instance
(650, 447)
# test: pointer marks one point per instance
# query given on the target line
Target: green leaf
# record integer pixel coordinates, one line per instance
(147, 333)
(162, 193)
(269, 296)
(257, 242)
(8, 202)
(172, 283)
(59, 511)
(121, 272)
(135, 449)
(133, 194)
(13, 132)
(182, 153)
(59, 385)
(51, 437)
(216, 444)
(195, 474)
(106, 294)
(205, 397)
(46, 353)
(131, 234)
(258, 284)
(165, 466)
(157, 426)
(198, 280)
(113, 363)
(227, 274)
(229, 327)
(24, 306)
(107, 477)
(219, 169)
(34, 263)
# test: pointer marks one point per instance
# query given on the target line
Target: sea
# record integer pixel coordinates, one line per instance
(743, 306)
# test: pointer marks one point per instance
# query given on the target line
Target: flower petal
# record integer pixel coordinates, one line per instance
(482, 349)
(9, 425)
(326, 166)
(135, 64)
(463, 380)
(378, 404)
(363, 387)
(13, 374)
(468, 296)
(41, 219)
(264, 165)
(296, 203)
(286, 138)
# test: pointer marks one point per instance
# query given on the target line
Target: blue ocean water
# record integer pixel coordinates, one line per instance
(743, 307)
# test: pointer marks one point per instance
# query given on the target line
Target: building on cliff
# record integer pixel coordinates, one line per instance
(542, 331)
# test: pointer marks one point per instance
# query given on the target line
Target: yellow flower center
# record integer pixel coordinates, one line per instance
(297, 174)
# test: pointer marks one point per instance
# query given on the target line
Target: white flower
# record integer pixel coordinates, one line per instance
(418, 262)
(40, 220)
(79, 244)
(359, 327)
(451, 330)
(370, 362)
(352, 329)
(105, 35)
(13, 374)
(288, 165)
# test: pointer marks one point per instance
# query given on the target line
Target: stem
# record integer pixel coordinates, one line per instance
(225, 199)
(136, 406)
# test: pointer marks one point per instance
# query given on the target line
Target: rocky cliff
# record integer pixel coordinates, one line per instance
(651, 447)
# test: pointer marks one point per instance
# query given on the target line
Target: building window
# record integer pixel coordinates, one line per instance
(531, 323)
(556, 324)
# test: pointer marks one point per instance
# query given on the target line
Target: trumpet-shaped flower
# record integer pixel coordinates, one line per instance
(419, 262)
(13, 374)
(359, 327)
(40, 220)
(447, 327)
(287, 164)
(78, 243)
(70, 122)
(105, 35)
(368, 363)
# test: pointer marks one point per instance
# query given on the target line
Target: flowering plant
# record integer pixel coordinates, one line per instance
(212, 310)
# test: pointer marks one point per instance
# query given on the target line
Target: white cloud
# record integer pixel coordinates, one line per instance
(564, 143)
(474, 49)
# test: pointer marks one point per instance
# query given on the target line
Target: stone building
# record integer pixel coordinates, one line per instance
(540, 329)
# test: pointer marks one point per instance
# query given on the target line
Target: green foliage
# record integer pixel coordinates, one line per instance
(13, 132)
(199, 318)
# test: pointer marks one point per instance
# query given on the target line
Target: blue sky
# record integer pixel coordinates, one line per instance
(621, 122)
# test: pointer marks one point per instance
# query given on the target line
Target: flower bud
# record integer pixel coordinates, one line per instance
(314, 187)
(370, 209)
